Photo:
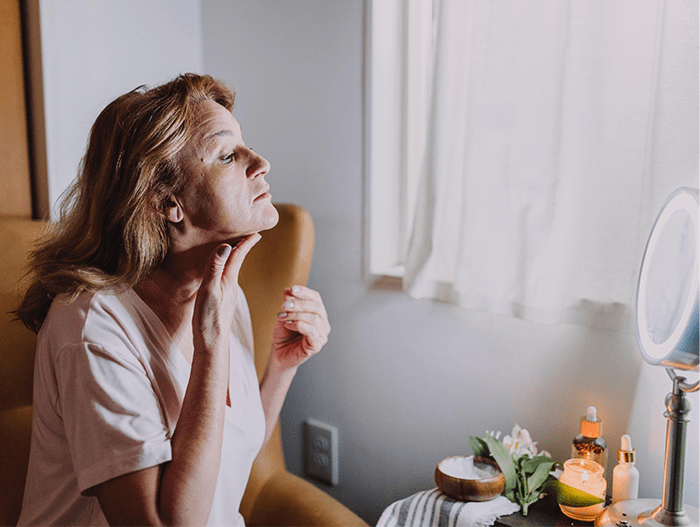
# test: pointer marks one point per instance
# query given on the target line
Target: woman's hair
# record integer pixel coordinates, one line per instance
(110, 232)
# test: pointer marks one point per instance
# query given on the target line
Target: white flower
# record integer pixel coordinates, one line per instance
(520, 443)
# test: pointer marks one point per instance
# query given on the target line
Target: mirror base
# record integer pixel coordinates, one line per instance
(645, 512)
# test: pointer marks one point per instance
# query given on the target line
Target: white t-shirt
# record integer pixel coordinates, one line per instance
(108, 388)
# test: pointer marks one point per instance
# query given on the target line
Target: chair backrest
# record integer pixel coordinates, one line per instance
(17, 345)
(282, 258)
(279, 260)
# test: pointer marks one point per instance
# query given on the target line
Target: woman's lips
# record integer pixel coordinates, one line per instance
(263, 195)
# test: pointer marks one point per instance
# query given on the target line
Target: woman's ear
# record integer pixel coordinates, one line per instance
(172, 210)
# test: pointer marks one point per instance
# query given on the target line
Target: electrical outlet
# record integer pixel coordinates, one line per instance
(321, 451)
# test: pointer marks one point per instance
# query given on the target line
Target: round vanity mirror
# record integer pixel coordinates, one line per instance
(667, 292)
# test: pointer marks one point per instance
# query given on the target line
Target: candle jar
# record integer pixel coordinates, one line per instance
(587, 476)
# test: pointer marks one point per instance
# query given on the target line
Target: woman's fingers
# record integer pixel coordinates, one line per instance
(239, 252)
(309, 326)
(215, 266)
(298, 299)
(301, 292)
(218, 292)
(225, 261)
(304, 305)
(314, 319)
(302, 326)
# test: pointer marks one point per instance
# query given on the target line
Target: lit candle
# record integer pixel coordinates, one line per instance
(587, 476)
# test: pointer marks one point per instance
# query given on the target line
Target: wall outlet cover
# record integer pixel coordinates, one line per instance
(321, 451)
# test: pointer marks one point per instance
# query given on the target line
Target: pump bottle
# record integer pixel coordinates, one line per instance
(589, 444)
(625, 474)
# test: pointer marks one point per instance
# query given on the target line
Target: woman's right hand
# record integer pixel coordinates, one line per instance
(217, 295)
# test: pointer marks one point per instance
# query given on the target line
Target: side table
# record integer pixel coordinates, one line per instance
(544, 513)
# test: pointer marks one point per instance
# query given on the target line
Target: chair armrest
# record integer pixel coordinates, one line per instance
(287, 500)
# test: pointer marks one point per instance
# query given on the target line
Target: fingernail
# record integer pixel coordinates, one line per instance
(296, 289)
(224, 251)
(282, 314)
(288, 304)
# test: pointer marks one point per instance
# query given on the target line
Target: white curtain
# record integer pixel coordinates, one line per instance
(546, 135)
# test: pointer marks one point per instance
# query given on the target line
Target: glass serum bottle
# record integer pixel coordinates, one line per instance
(625, 474)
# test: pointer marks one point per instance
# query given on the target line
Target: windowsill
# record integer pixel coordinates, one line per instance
(390, 279)
(395, 271)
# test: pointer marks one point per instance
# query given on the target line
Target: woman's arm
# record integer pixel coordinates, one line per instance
(178, 492)
(181, 491)
(273, 390)
(301, 331)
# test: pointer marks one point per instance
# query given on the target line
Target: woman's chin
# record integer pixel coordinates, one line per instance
(270, 219)
(266, 223)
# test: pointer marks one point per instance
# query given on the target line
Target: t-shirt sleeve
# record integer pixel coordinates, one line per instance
(113, 419)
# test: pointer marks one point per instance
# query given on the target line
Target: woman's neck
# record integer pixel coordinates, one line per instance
(170, 292)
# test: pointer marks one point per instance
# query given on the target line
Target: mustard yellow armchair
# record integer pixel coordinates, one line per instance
(273, 496)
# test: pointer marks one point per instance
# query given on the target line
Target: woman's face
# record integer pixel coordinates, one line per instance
(225, 194)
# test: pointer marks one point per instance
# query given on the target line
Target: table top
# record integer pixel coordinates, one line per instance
(544, 513)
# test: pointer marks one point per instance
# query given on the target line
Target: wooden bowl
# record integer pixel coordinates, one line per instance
(471, 489)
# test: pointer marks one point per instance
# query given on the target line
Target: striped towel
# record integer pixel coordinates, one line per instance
(431, 508)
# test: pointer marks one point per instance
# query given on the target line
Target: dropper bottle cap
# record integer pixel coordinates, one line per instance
(591, 426)
(626, 453)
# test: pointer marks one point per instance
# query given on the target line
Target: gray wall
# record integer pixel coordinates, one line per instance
(93, 52)
(405, 381)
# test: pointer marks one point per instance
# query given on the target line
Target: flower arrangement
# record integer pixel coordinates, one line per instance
(528, 472)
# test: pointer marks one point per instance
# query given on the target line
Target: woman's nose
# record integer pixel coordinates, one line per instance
(258, 165)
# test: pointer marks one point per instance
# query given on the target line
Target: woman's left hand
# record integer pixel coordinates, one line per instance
(302, 327)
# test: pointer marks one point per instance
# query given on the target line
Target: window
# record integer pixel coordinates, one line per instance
(518, 151)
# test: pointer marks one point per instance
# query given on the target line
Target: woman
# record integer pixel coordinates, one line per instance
(147, 408)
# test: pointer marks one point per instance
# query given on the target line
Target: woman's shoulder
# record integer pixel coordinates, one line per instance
(70, 306)
(87, 316)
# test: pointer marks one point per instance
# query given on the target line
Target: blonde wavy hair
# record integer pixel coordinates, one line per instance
(109, 232)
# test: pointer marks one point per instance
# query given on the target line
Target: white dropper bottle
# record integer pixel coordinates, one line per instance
(625, 474)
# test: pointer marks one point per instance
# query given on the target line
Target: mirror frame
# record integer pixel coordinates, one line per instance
(680, 349)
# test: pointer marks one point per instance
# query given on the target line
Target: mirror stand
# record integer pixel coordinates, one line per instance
(670, 512)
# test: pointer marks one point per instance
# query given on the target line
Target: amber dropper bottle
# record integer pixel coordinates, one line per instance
(589, 444)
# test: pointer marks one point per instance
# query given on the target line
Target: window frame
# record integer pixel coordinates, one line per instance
(389, 199)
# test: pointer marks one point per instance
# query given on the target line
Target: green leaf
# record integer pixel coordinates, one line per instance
(529, 465)
(479, 446)
(570, 496)
(539, 477)
(520, 485)
(505, 462)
